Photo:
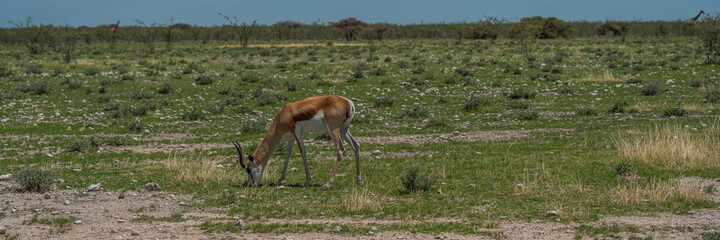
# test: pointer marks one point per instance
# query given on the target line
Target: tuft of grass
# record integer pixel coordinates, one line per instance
(359, 200)
(671, 146)
(675, 111)
(414, 112)
(412, 181)
(34, 179)
(624, 168)
(195, 170)
(142, 96)
(656, 192)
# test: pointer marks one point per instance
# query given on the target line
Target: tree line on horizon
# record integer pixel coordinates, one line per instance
(40, 38)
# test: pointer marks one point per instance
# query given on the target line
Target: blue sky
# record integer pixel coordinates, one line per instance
(94, 12)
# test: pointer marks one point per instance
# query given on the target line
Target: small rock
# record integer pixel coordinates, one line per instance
(257, 112)
(376, 152)
(336, 229)
(2, 230)
(288, 238)
(114, 230)
(119, 238)
(551, 213)
(293, 169)
(709, 231)
(219, 166)
(77, 222)
(281, 187)
(135, 233)
(240, 224)
(77, 170)
(66, 202)
(49, 155)
(472, 185)
(182, 203)
(371, 232)
(5, 177)
(152, 186)
(439, 237)
(400, 237)
(374, 229)
(95, 187)
(47, 196)
(121, 196)
(121, 221)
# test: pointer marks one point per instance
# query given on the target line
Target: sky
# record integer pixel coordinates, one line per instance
(95, 12)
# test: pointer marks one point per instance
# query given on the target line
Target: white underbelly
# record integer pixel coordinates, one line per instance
(313, 125)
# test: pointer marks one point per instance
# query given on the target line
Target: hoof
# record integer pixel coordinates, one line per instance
(359, 182)
(279, 183)
(325, 186)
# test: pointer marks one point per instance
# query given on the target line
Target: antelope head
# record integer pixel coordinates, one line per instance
(254, 171)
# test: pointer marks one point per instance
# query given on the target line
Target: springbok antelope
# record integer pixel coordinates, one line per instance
(317, 114)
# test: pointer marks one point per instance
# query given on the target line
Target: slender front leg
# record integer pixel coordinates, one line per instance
(298, 138)
(288, 151)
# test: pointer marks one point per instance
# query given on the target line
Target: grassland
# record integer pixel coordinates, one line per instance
(590, 128)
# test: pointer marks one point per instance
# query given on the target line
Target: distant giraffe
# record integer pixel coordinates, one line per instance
(691, 22)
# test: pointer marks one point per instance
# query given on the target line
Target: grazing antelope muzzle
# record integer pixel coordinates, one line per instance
(254, 174)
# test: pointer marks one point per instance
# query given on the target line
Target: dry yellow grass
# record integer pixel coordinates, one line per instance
(195, 170)
(671, 146)
(358, 200)
(655, 192)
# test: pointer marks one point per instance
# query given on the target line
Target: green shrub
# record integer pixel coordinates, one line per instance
(384, 101)
(413, 182)
(473, 102)
(249, 78)
(712, 96)
(37, 88)
(142, 96)
(33, 69)
(414, 112)
(527, 115)
(203, 80)
(675, 111)
(135, 125)
(78, 145)
(91, 71)
(166, 89)
(619, 107)
(518, 93)
(34, 179)
(291, 85)
(193, 115)
(651, 88)
(518, 105)
(624, 168)
(270, 98)
(252, 127)
(586, 112)
(436, 122)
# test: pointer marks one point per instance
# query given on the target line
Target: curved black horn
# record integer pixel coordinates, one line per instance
(240, 154)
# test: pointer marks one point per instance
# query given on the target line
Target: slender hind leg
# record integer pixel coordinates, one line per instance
(340, 152)
(345, 132)
(288, 151)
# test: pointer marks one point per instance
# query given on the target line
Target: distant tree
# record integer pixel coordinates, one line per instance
(245, 30)
(617, 28)
(349, 27)
(543, 28)
(35, 37)
(379, 30)
(181, 26)
(709, 33)
(487, 29)
(283, 28)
